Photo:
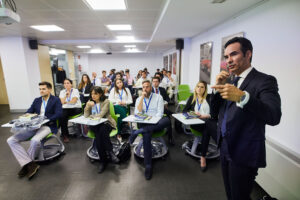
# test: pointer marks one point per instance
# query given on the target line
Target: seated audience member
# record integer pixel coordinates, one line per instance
(121, 98)
(118, 76)
(146, 70)
(198, 103)
(99, 107)
(95, 81)
(129, 80)
(49, 106)
(85, 87)
(170, 82)
(139, 75)
(153, 105)
(140, 80)
(161, 91)
(104, 79)
(71, 104)
(157, 74)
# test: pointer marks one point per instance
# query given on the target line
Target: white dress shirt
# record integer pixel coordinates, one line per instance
(156, 106)
(75, 93)
(204, 108)
(114, 97)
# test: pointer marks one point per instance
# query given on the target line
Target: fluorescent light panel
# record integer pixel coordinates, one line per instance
(119, 27)
(57, 52)
(96, 51)
(47, 28)
(84, 47)
(130, 46)
(125, 38)
(106, 4)
(133, 50)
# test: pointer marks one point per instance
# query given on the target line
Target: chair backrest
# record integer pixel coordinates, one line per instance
(112, 111)
(184, 95)
(183, 87)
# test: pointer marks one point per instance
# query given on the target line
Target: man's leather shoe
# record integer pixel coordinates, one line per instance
(32, 168)
(23, 172)
(102, 167)
(148, 172)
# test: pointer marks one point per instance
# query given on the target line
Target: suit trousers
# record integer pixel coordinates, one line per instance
(147, 130)
(63, 121)
(238, 180)
(19, 152)
(103, 143)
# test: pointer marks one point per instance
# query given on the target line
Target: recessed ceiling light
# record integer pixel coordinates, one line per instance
(133, 50)
(119, 27)
(47, 28)
(96, 51)
(124, 38)
(130, 46)
(57, 52)
(84, 47)
(106, 4)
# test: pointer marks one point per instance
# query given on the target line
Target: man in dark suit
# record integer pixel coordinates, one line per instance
(48, 106)
(160, 90)
(244, 108)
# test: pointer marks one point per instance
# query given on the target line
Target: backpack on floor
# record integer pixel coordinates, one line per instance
(125, 152)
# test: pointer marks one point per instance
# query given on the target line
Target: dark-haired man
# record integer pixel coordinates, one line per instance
(244, 108)
(151, 104)
(49, 106)
(161, 91)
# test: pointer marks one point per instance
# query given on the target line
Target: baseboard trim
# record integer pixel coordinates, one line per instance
(18, 110)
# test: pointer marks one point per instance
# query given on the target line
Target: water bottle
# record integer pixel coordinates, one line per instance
(94, 112)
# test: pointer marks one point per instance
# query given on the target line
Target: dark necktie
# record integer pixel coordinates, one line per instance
(223, 126)
(156, 90)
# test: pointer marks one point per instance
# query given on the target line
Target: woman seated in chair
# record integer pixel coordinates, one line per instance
(121, 98)
(198, 103)
(85, 87)
(71, 105)
(99, 107)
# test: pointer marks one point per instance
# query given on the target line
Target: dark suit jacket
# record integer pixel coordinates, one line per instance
(245, 132)
(53, 110)
(163, 93)
(88, 89)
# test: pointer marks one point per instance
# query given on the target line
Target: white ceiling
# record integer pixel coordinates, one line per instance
(155, 23)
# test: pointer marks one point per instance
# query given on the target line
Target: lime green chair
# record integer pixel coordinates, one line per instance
(159, 147)
(92, 151)
(191, 149)
(183, 87)
(183, 96)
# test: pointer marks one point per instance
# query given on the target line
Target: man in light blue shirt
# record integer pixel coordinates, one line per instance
(153, 105)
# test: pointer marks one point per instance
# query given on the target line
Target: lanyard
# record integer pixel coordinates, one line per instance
(69, 98)
(45, 104)
(120, 95)
(147, 105)
(97, 111)
(199, 105)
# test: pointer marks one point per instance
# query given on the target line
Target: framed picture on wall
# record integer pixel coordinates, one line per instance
(170, 62)
(205, 61)
(223, 65)
(166, 62)
(174, 63)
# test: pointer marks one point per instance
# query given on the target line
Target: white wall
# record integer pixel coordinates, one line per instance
(133, 61)
(274, 31)
(21, 72)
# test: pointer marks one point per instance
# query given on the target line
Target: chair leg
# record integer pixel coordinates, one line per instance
(139, 147)
(195, 144)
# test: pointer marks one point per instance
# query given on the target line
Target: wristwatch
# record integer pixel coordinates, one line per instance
(243, 98)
